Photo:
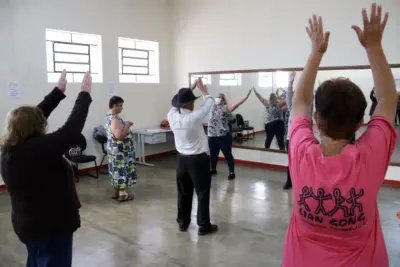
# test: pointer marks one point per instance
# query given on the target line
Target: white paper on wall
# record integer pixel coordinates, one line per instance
(111, 89)
(13, 89)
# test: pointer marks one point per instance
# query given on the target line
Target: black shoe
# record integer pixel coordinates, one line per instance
(287, 185)
(232, 176)
(206, 230)
(183, 227)
(213, 172)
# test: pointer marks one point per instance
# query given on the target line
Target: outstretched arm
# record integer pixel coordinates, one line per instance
(289, 91)
(232, 107)
(303, 95)
(51, 101)
(263, 100)
(371, 39)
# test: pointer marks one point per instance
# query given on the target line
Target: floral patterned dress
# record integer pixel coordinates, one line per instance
(121, 157)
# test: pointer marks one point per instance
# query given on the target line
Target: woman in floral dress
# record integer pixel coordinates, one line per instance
(120, 151)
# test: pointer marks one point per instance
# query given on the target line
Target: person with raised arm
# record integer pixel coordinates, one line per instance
(193, 167)
(274, 124)
(335, 219)
(219, 135)
(45, 205)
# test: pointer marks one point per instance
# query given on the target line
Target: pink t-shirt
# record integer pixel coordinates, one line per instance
(335, 220)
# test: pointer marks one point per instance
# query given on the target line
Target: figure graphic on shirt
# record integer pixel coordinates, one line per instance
(353, 200)
(321, 198)
(306, 193)
(338, 203)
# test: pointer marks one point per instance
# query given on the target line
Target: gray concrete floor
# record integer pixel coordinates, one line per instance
(252, 213)
(259, 141)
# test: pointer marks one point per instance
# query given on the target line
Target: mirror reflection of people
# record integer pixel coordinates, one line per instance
(45, 204)
(219, 135)
(335, 182)
(120, 151)
(274, 125)
(193, 167)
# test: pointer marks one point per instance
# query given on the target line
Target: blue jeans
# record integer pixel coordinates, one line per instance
(50, 252)
(224, 144)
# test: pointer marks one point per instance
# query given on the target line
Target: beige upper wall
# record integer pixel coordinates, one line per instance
(23, 55)
(253, 34)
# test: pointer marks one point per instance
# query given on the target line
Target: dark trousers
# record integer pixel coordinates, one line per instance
(224, 144)
(50, 252)
(397, 118)
(288, 178)
(193, 173)
(272, 129)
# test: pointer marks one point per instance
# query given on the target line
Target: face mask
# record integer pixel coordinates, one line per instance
(218, 101)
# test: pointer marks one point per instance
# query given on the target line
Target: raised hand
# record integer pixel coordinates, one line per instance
(129, 124)
(319, 38)
(87, 83)
(374, 27)
(62, 82)
(292, 76)
(248, 94)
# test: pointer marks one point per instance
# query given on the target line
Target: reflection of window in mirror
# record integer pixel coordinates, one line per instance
(281, 79)
(232, 79)
(204, 77)
(265, 79)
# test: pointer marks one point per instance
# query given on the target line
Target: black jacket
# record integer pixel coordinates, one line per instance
(40, 181)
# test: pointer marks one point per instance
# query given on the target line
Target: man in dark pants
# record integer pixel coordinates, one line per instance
(193, 168)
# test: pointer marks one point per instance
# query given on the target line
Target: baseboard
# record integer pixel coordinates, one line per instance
(284, 168)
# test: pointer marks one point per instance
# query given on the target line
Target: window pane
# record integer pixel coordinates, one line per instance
(127, 78)
(82, 49)
(72, 58)
(228, 82)
(97, 78)
(120, 60)
(135, 62)
(84, 38)
(281, 79)
(53, 77)
(94, 62)
(144, 45)
(134, 53)
(148, 79)
(152, 63)
(135, 70)
(126, 43)
(59, 36)
(50, 59)
(227, 76)
(72, 67)
(78, 77)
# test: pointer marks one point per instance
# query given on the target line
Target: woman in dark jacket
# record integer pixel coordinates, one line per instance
(43, 196)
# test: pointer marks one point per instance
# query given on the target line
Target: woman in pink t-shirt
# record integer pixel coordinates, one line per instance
(335, 220)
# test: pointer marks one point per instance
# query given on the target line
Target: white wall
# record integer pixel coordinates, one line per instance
(255, 34)
(23, 56)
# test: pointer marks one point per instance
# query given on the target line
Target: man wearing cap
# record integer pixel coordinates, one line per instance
(193, 168)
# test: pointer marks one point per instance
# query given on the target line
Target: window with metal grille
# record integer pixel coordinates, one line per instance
(265, 79)
(204, 77)
(75, 52)
(138, 61)
(278, 79)
(233, 79)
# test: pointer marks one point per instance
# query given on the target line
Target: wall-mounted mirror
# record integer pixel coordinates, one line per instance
(251, 134)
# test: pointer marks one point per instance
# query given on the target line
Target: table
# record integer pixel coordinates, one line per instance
(141, 133)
